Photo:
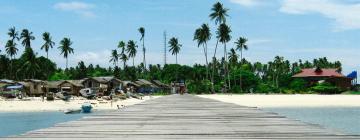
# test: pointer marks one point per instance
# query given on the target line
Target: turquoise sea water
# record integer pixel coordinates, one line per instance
(346, 120)
(343, 119)
(19, 123)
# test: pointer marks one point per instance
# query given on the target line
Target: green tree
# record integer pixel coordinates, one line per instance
(142, 32)
(26, 37)
(174, 47)
(11, 50)
(48, 44)
(65, 49)
(202, 35)
(13, 34)
(114, 57)
(124, 59)
(224, 37)
(218, 13)
(131, 50)
(122, 46)
(241, 45)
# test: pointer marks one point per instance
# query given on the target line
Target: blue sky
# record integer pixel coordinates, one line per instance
(295, 29)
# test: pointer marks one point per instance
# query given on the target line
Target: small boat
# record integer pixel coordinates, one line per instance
(72, 111)
(86, 108)
(88, 93)
(63, 95)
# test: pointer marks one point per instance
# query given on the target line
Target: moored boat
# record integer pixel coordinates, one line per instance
(72, 111)
(86, 108)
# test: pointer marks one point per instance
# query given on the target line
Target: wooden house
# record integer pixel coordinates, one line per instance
(34, 87)
(162, 86)
(146, 86)
(332, 76)
(73, 87)
(102, 84)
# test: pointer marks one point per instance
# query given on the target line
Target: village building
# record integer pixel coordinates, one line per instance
(332, 76)
(163, 87)
(146, 86)
(72, 87)
(102, 84)
(129, 86)
(34, 87)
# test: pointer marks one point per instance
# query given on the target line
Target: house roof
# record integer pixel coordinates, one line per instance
(159, 83)
(143, 82)
(131, 83)
(7, 81)
(104, 79)
(53, 84)
(77, 83)
(33, 80)
(319, 73)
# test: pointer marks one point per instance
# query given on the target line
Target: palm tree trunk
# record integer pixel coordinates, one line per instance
(66, 63)
(241, 70)
(133, 61)
(206, 60)
(224, 65)
(213, 71)
(227, 68)
(144, 60)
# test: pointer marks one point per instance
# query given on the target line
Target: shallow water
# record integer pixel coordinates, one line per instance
(21, 122)
(343, 119)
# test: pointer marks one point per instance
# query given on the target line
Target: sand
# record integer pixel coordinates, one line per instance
(297, 100)
(37, 105)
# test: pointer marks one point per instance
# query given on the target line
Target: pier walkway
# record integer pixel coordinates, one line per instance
(185, 117)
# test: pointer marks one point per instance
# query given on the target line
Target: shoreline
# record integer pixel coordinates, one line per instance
(283, 101)
(16, 106)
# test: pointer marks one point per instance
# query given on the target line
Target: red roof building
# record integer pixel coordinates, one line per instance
(332, 76)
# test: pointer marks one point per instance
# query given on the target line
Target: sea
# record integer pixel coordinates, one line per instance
(21, 122)
(343, 119)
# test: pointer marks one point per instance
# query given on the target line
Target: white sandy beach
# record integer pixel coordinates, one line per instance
(37, 105)
(297, 100)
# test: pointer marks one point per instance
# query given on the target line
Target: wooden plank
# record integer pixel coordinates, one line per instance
(185, 117)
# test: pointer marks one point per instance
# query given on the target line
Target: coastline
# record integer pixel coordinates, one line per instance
(37, 105)
(281, 100)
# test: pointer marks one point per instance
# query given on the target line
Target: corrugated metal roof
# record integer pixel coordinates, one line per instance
(319, 73)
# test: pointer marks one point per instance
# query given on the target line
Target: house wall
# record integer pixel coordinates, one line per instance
(90, 83)
(74, 89)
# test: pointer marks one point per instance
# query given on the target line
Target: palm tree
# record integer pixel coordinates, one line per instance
(223, 35)
(233, 58)
(13, 34)
(114, 57)
(122, 46)
(219, 13)
(31, 65)
(142, 32)
(174, 47)
(65, 48)
(11, 50)
(202, 35)
(26, 37)
(131, 50)
(48, 43)
(241, 45)
(123, 58)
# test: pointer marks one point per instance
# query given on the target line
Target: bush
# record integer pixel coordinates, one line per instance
(199, 87)
(298, 85)
(264, 88)
(325, 88)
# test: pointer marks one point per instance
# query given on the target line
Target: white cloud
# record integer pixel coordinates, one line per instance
(101, 57)
(246, 3)
(81, 8)
(346, 16)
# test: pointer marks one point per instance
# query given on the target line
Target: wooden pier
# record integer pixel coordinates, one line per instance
(185, 117)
